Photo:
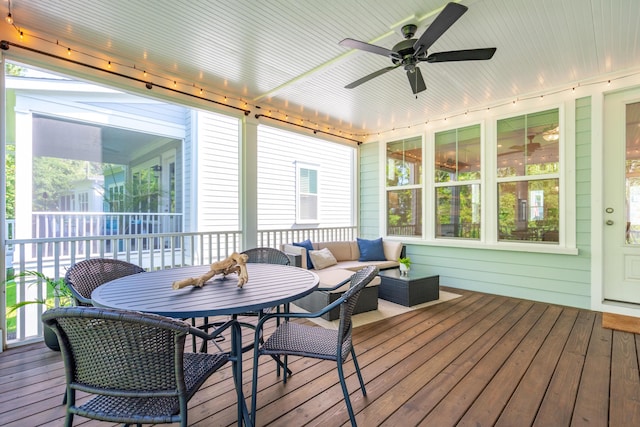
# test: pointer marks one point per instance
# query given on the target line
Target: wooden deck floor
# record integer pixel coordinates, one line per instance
(479, 360)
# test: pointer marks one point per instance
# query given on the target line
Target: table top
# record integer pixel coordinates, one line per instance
(415, 273)
(269, 285)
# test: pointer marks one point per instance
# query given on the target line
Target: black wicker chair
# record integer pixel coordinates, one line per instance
(267, 256)
(85, 276)
(135, 366)
(291, 338)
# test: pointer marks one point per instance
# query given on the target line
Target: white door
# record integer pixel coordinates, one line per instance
(622, 197)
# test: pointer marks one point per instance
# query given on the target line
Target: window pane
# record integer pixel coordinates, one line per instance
(308, 181)
(404, 162)
(528, 144)
(458, 211)
(404, 216)
(528, 210)
(457, 154)
(308, 207)
(633, 174)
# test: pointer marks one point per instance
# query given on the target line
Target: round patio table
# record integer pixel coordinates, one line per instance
(269, 285)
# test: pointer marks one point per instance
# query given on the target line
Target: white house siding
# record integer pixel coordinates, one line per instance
(278, 152)
(554, 278)
(217, 164)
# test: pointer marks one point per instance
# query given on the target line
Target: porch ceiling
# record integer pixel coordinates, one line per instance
(284, 54)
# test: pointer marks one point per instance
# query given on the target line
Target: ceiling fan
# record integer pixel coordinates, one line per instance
(409, 52)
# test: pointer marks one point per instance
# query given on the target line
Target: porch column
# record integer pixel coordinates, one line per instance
(24, 173)
(249, 183)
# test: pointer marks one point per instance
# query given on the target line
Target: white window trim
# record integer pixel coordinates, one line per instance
(310, 166)
(489, 236)
(386, 189)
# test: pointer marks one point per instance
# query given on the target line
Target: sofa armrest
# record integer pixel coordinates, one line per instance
(296, 253)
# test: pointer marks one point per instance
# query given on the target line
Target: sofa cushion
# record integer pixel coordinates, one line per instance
(342, 251)
(309, 247)
(359, 265)
(392, 250)
(331, 277)
(371, 250)
(322, 258)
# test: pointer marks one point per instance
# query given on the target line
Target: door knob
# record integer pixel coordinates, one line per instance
(609, 222)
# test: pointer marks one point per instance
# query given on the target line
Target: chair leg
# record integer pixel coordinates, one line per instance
(254, 386)
(284, 366)
(355, 362)
(279, 365)
(347, 401)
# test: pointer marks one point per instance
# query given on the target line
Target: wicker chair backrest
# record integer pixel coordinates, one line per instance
(87, 275)
(107, 349)
(358, 281)
(267, 256)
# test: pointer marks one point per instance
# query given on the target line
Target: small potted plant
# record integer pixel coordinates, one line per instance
(56, 289)
(405, 264)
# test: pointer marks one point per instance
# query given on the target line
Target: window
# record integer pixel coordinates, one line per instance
(528, 177)
(404, 187)
(307, 206)
(457, 183)
(83, 202)
(115, 200)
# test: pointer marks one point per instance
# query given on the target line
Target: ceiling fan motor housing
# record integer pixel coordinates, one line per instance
(408, 31)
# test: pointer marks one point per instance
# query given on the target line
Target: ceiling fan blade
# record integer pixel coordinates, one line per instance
(416, 81)
(355, 44)
(370, 76)
(462, 55)
(446, 18)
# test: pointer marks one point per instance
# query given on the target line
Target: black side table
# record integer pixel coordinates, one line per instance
(417, 287)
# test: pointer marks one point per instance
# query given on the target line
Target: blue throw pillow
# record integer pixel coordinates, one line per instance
(371, 250)
(309, 247)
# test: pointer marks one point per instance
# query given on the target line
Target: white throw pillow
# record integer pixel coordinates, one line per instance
(322, 258)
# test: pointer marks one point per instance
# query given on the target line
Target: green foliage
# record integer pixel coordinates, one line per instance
(52, 177)
(406, 261)
(10, 190)
(14, 70)
(56, 288)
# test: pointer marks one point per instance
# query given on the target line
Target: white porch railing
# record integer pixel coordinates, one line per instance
(53, 256)
(47, 225)
(274, 238)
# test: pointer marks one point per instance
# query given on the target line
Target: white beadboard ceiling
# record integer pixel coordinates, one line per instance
(284, 54)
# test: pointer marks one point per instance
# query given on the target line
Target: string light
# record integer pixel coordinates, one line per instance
(301, 121)
(9, 19)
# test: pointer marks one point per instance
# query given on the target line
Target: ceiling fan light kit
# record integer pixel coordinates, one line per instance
(409, 52)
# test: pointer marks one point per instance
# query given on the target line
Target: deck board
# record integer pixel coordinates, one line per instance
(478, 360)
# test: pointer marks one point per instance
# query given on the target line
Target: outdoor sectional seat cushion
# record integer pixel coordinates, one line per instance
(346, 254)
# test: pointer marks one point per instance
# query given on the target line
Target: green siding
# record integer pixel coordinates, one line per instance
(369, 222)
(553, 278)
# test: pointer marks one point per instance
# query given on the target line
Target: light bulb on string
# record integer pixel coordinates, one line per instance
(9, 19)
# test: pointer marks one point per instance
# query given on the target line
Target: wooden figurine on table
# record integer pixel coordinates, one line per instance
(235, 263)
